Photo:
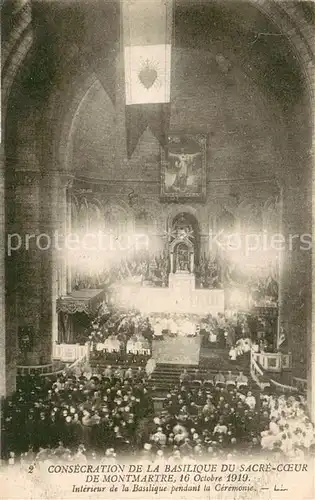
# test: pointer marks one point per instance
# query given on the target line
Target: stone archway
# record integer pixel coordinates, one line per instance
(182, 256)
(286, 17)
(184, 243)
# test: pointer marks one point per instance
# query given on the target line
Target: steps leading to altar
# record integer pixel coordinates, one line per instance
(166, 376)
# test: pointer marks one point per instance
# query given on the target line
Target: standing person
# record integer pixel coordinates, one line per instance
(221, 339)
(230, 338)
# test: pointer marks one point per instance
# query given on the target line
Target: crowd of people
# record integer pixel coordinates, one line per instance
(110, 411)
(112, 415)
(223, 330)
(288, 429)
(96, 411)
(148, 269)
(119, 335)
(143, 267)
(173, 325)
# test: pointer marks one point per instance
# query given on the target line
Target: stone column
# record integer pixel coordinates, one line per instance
(63, 226)
(2, 277)
(68, 226)
(172, 262)
(283, 267)
(51, 250)
(61, 209)
(311, 331)
(191, 262)
(35, 213)
(28, 258)
(11, 281)
(55, 222)
(295, 280)
(311, 316)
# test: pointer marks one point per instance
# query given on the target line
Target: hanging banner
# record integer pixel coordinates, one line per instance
(147, 33)
(147, 74)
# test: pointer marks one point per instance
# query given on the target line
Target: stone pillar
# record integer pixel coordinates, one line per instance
(293, 283)
(68, 227)
(172, 262)
(61, 209)
(295, 280)
(283, 267)
(54, 223)
(311, 335)
(28, 258)
(35, 214)
(63, 225)
(51, 248)
(191, 262)
(11, 272)
(311, 316)
(2, 277)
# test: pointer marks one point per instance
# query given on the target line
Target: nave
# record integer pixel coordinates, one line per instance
(120, 413)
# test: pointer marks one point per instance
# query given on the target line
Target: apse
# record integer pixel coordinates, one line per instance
(171, 151)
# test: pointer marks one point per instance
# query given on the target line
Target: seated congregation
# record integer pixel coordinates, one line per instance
(113, 415)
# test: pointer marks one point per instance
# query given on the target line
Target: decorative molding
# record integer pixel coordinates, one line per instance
(26, 177)
(241, 180)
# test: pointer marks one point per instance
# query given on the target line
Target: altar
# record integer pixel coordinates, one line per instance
(180, 297)
(181, 294)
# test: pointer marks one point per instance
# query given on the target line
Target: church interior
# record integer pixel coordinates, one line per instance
(156, 263)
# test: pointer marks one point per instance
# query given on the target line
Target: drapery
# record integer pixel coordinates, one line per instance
(147, 37)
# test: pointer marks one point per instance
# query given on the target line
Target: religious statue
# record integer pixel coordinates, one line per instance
(182, 245)
(182, 258)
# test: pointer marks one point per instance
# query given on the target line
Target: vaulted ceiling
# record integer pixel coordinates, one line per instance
(237, 46)
(92, 29)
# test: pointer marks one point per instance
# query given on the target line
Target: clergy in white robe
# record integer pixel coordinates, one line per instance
(158, 334)
(173, 327)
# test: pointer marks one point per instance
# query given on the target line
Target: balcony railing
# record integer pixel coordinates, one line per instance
(68, 353)
(273, 361)
(41, 370)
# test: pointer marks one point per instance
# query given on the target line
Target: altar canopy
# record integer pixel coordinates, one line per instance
(72, 322)
(147, 34)
(86, 301)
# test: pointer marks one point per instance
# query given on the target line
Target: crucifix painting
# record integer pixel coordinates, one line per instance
(183, 167)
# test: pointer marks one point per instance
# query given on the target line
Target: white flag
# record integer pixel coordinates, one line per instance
(147, 34)
(147, 74)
